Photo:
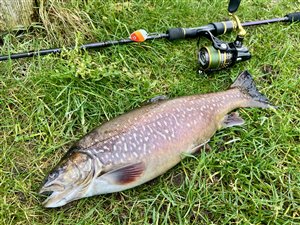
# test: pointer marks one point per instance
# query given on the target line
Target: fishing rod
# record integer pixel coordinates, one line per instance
(218, 56)
(172, 34)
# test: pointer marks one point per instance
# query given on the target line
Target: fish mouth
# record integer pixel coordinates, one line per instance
(46, 188)
(57, 198)
(54, 199)
(45, 193)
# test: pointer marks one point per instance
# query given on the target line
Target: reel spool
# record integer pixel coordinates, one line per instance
(222, 54)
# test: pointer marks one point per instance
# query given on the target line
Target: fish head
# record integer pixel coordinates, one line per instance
(69, 180)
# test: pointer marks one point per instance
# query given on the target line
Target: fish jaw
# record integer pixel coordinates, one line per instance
(61, 197)
(58, 199)
(54, 200)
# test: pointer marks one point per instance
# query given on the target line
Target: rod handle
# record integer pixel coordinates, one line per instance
(215, 28)
(181, 33)
(293, 17)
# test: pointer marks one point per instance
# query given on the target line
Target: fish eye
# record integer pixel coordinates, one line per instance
(53, 175)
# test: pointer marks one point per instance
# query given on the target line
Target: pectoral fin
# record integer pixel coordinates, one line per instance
(232, 119)
(125, 174)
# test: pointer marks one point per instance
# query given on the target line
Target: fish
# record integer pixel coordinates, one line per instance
(144, 143)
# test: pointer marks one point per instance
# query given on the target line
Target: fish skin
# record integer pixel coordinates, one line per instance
(142, 144)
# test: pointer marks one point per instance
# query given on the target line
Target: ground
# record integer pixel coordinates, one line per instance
(250, 174)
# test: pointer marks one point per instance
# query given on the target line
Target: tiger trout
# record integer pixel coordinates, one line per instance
(142, 144)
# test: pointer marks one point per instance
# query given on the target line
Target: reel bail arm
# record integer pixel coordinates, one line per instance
(241, 31)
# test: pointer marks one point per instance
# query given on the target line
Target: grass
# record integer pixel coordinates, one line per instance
(251, 175)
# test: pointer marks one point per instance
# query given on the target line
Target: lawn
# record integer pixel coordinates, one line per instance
(250, 174)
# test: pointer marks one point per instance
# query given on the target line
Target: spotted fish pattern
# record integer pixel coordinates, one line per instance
(146, 142)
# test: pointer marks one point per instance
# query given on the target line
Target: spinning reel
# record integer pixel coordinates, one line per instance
(220, 54)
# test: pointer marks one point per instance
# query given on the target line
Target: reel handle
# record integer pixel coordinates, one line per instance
(233, 5)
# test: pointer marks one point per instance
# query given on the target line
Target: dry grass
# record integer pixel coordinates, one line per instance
(62, 21)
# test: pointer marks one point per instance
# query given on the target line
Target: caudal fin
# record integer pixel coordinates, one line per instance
(246, 84)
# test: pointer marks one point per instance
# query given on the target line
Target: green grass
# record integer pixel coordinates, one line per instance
(252, 173)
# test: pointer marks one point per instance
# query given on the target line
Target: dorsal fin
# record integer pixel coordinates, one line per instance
(157, 98)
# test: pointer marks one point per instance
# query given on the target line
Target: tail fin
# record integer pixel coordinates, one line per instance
(246, 84)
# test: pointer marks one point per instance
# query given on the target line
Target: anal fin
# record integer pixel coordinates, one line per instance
(232, 119)
(125, 174)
